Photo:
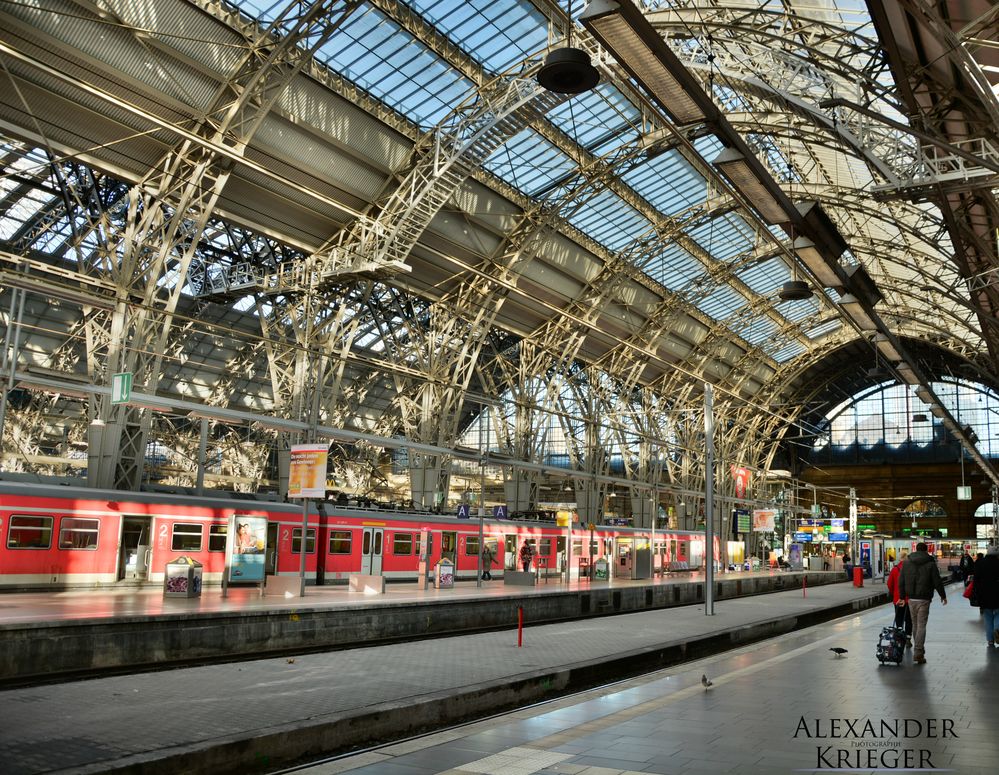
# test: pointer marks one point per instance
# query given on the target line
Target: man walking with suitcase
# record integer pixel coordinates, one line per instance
(918, 579)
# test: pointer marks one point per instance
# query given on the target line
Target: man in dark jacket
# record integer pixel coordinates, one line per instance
(916, 583)
(987, 591)
(965, 566)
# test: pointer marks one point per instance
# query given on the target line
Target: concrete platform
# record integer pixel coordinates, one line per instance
(73, 634)
(761, 716)
(255, 716)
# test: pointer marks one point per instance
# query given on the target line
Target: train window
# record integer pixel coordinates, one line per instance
(546, 547)
(29, 532)
(186, 537)
(472, 546)
(402, 543)
(217, 535)
(77, 533)
(310, 541)
(340, 541)
(577, 547)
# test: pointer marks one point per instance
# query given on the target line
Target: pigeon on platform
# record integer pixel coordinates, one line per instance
(705, 682)
(838, 651)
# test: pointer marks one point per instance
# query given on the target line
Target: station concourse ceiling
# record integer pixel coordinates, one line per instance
(383, 183)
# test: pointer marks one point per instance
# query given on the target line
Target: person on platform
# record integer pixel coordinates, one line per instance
(526, 555)
(919, 577)
(986, 575)
(965, 566)
(487, 563)
(903, 617)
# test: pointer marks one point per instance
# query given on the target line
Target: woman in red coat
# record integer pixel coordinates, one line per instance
(902, 616)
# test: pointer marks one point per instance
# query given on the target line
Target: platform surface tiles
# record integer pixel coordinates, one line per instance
(769, 703)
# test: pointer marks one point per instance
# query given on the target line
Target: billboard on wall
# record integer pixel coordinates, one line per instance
(763, 520)
(741, 478)
(307, 475)
(247, 547)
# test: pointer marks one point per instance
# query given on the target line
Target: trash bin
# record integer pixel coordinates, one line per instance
(858, 576)
(182, 578)
(444, 575)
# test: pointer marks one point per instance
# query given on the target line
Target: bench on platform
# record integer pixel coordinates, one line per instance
(283, 586)
(519, 578)
(367, 585)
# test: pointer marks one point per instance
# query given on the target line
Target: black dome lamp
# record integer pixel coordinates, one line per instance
(794, 290)
(568, 70)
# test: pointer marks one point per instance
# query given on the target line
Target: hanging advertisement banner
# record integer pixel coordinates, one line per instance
(307, 475)
(741, 478)
(246, 547)
(763, 520)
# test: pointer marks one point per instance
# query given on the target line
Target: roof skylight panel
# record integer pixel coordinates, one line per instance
(668, 182)
(764, 277)
(529, 163)
(758, 331)
(498, 33)
(377, 54)
(674, 267)
(724, 236)
(791, 350)
(721, 303)
(798, 310)
(825, 328)
(607, 219)
(596, 118)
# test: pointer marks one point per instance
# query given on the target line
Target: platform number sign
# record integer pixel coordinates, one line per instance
(499, 512)
(463, 511)
(121, 387)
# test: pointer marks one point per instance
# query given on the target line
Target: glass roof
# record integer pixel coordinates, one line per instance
(396, 68)
(383, 58)
(653, 191)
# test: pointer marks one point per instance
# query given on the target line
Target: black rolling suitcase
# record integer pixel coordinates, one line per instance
(891, 645)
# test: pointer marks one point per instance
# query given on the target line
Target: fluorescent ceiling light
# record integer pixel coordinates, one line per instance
(625, 32)
(857, 313)
(812, 258)
(736, 168)
(887, 347)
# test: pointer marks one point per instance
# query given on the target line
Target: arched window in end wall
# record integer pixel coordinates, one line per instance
(892, 421)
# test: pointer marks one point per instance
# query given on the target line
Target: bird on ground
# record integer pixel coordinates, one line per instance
(838, 651)
(705, 682)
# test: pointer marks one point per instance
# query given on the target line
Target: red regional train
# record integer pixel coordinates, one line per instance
(58, 537)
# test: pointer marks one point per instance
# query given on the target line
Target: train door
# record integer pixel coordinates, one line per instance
(449, 546)
(510, 551)
(560, 556)
(134, 548)
(371, 551)
(624, 557)
(270, 556)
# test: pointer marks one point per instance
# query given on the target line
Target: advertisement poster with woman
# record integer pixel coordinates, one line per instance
(247, 547)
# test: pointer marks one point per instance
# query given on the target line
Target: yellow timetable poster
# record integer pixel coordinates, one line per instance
(307, 477)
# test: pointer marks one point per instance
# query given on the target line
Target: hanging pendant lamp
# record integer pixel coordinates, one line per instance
(568, 70)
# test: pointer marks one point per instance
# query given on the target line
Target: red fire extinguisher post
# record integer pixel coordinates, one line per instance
(520, 626)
